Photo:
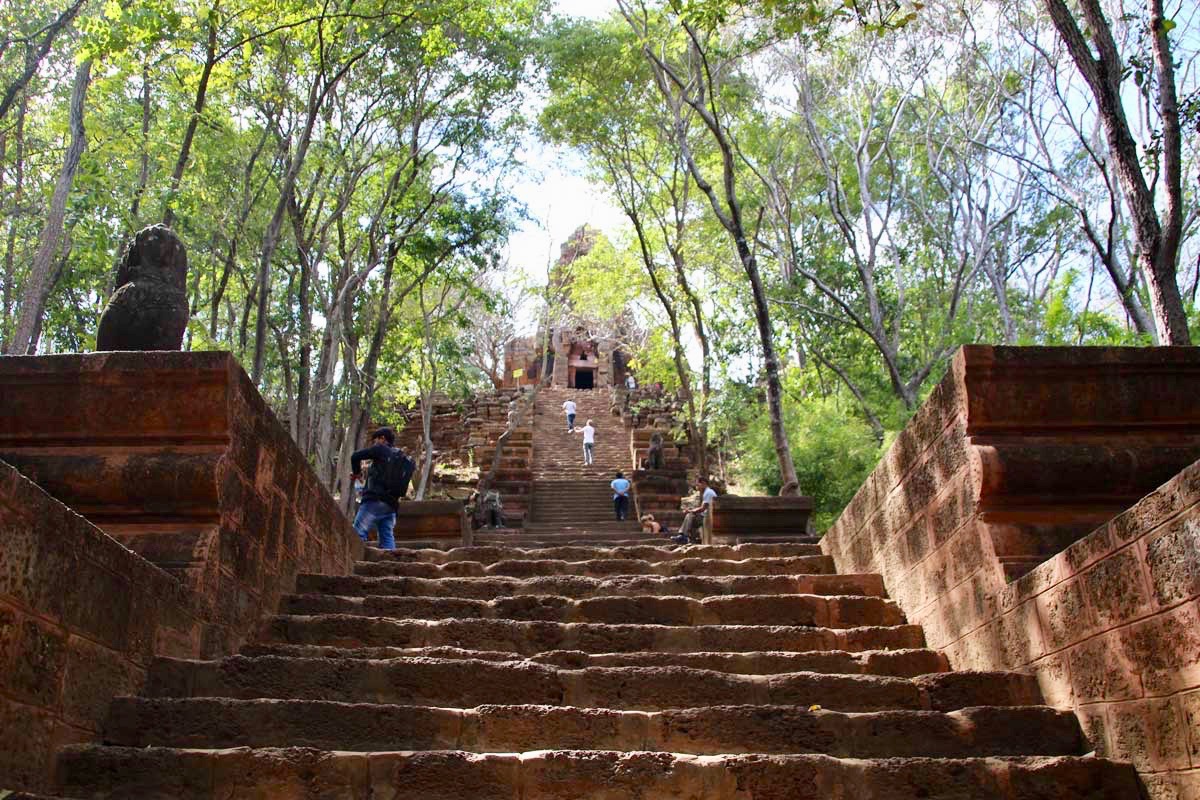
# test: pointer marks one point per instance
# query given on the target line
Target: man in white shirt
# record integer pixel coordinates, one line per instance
(630, 382)
(569, 410)
(694, 517)
(589, 442)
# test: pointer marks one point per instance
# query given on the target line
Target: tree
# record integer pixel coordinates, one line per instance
(619, 120)
(41, 272)
(689, 80)
(1100, 64)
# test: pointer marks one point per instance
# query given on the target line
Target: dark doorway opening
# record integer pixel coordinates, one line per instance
(585, 378)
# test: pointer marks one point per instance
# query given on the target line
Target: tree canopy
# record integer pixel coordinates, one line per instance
(823, 199)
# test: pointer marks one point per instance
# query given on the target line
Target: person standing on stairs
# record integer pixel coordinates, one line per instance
(621, 487)
(589, 443)
(693, 519)
(387, 482)
(569, 410)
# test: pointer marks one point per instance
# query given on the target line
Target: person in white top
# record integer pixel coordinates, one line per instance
(694, 518)
(630, 382)
(569, 410)
(589, 442)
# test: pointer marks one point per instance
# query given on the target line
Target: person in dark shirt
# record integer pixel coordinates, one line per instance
(378, 506)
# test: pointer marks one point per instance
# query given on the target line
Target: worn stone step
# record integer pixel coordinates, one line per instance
(579, 586)
(896, 663)
(649, 552)
(838, 611)
(153, 773)
(462, 683)
(781, 538)
(530, 638)
(601, 520)
(524, 568)
(712, 730)
(522, 542)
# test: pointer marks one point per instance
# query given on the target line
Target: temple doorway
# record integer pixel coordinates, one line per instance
(585, 378)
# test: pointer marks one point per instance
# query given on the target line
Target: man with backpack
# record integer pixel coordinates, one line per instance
(387, 482)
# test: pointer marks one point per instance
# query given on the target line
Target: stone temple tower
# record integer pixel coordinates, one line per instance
(583, 354)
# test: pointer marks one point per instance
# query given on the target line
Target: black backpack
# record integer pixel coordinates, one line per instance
(396, 474)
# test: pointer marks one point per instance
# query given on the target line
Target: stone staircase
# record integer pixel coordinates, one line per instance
(589, 671)
(558, 455)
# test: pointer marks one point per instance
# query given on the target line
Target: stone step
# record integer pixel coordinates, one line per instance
(839, 611)
(490, 554)
(463, 683)
(523, 542)
(894, 663)
(580, 587)
(530, 638)
(152, 773)
(524, 568)
(712, 730)
(608, 525)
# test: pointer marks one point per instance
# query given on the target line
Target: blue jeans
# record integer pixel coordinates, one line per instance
(570, 422)
(379, 515)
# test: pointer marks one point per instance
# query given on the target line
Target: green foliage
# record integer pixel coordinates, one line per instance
(1067, 321)
(833, 449)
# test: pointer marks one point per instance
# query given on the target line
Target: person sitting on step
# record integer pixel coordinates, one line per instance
(493, 510)
(649, 524)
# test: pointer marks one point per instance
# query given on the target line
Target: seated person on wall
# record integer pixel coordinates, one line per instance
(493, 510)
(387, 481)
(693, 520)
(654, 453)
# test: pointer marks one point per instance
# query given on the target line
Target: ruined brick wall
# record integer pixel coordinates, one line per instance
(80, 618)
(1014, 458)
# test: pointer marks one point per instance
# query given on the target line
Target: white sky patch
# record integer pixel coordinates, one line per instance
(557, 195)
(592, 9)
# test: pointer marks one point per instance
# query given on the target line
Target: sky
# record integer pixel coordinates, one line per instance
(556, 193)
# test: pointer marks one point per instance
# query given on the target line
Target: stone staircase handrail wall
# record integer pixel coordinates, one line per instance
(81, 619)
(1015, 457)
(178, 457)
(736, 519)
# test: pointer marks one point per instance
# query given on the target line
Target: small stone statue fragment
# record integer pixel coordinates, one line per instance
(148, 309)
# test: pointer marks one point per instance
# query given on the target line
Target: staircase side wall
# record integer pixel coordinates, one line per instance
(1019, 449)
(1111, 628)
(81, 617)
(178, 457)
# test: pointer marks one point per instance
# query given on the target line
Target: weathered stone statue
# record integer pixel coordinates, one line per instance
(149, 308)
(654, 453)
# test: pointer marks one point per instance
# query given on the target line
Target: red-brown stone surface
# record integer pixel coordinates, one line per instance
(1019, 466)
(176, 457)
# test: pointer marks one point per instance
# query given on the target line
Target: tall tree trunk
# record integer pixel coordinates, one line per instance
(1157, 241)
(35, 54)
(696, 90)
(678, 356)
(700, 446)
(189, 134)
(144, 168)
(248, 195)
(12, 212)
(38, 284)
(275, 226)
